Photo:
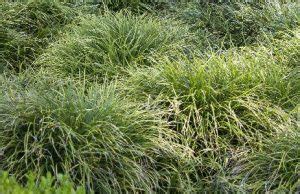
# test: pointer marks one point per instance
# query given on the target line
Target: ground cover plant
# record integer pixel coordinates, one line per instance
(221, 105)
(47, 184)
(105, 45)
(27, 28)
(274, 168)
(92, 134)
(236, 24)
(149, 97)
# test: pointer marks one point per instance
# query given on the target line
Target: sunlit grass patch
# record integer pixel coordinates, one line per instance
(220, 105)
(106, 45)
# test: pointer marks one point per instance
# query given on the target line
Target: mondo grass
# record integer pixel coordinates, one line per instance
(169, 97)
(27, 28)
(220, 106)
(287, 48)
(285, 51)
(92, 134)
(121, 4)
(106, 45)
(274, 168)
(266, 73)
(225, 25)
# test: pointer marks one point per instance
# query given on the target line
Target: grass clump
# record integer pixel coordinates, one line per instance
(120, 4)
(47, 184)
(274, 168)
(224, 25)
(219, 105)
(91, 133)
(106, 45)
(27, 28)
(287, 48)
(285, 51)
(136, 6)
(165, 118)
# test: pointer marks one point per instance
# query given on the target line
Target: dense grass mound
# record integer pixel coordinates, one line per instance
(221, 105)
(27, 28)
(136, 6)
(287, 48)
(223, 25)
(94, 135)
(286, 52)
(120, 4)
(107, 44)
(47, 184)
(144, 96)
(274, 168)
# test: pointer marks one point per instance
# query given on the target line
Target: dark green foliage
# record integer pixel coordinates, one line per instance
(147, 96)
(116, 5)
(27, 28)
(237, 24)
(274, 168)
(120, 4)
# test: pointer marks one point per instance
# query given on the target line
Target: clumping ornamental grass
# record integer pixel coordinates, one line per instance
(27, 28)
(174, 97)
(92, 134)
(221, 105)
(105, 45)
(226, 25)
(273, 168)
